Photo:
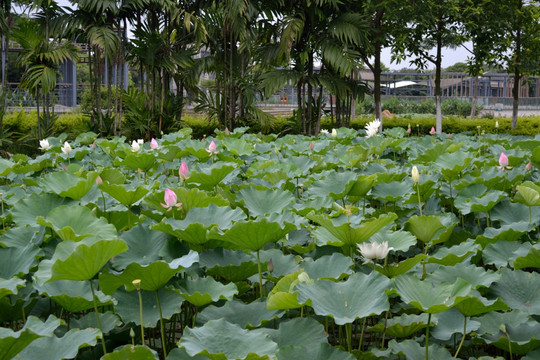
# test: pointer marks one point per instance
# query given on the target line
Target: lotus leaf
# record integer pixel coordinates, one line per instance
(132, 352)
(144, 246)
(74, 296)
(402, 326)
(414, 351)
(10, 286)
(248, 316)
(126, 195)
(519, 290)
(18, 261)
(262, 202)
(65, 184)
(65, 347)
(204, 291)
(451, 322)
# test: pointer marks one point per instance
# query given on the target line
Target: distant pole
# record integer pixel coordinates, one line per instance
(73, 83)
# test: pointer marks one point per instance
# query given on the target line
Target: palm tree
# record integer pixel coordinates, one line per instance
(41, 58)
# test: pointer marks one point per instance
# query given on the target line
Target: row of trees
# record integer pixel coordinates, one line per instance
(258, 46)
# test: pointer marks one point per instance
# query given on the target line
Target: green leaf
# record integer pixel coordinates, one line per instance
(144, 247)
(221, 340)
(392, 191)
(510, 232)
(10, 286)
(18, 261)
(476, 305)
(528, 193)
(393, 270)
(74, 223)
(140, 160)
(108, 320)
(519, 290)
(334, 184)
(209, 176)
(428, 297)
(128, 306)
(228, 264)
(73, 296)
(203, 291)
(65, 347)
(5, 167)
(321, 351)
(263, 202)
(413, 350)
(402, 326)
(126, 195)
(474, 275)
(248, 316)
(65, 184)
(425, 228)
(335, 266)
(28, 209)
(131, 352)
(359, 296)
(530, 260)
(451, 322)
(282, 295)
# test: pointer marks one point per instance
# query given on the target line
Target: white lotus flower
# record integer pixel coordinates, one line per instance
(135, 146)
(372, 128)
(140, 141)
(44, 144)
(334, 133)
(66, 149)
(374, 250)
(324, 131)
(415, 174)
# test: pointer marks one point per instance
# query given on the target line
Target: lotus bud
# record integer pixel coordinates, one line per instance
(334, 133)
(99, 180)
(270, 266)
(44, 145)
(154, 144)
(64, 167)
(415, 174)
(137, 284)
(227, 133)
(131, 333)
(503, 160)
(496, 124)
(94, 145)
(432, 131)
(311, 145)
(135, 146)
(528, 167)
(409, 129)
(66, 149)
(183, 172)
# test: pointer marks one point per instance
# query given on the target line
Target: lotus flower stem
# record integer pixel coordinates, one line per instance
(362, 334)
(427, 336)
(348, 331)
(140, 313)
(97, 318)
(419, 200)
(4, 223)
(162, 328)
(260, 274)
(384, 330)
(463, 338)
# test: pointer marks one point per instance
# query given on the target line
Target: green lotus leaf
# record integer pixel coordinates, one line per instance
(359, 296)
(530, 260)
(528, 193)
(490, 323)
(452, 164)
(310, 205)
(68, 185)
(140, 160)
(413, 350)
(131, 352)
(322, 351)
(402, 326)
(128, 306)
(112, 176)
(252, 234)
(304, 332)
(425, 228)
(248, 316)
(399, 240)
(221, 340)
(283, 264)
(5, 167)
(238, 147)
(428, 297)
(474, 198)
(12, 343)
(535, 158)
(74, 296)
(21, 237)
(206, 290)
(74, 223)
(79, 260)
(18, 261)
(209, 176)
(108, 320)
(198, 221)
(392, 191)
(451, 322)
(353, 156)
(65, 347)
(519, 290)
(348, 234)
(335, 266)
(153, 276)
(501, 253)
(282, 295)
(513, 212)
(228, 264)
(37, 164)
(476, 305)
(126, 195)
(262, 202)
(532, 355)
(524, 338)
(334, 184)
(10, 286)
(393, 270)
(144, 246)
(362, 185)
(474, 275)
(453, 255)
(28, 209)
(510, 232)
(189, 198)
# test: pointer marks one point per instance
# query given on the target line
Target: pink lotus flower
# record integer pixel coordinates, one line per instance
(154, 144)
(211, 148)
(432, 131)
(183, 172)
(170, 200)
(503, 162)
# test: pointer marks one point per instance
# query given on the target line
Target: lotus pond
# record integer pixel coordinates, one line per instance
(243, 246)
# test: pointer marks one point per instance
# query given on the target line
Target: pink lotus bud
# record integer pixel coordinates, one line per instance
(212, 148)
(63, 167)
(528, 167)
(503, 160)
(270, 266)
(409, 130)
(99, 180)
(170, 200)
(450, 135)
(311, 145)
(183, 172)
(93, 145)
(227, 133)
(432, 131)
(154, 144)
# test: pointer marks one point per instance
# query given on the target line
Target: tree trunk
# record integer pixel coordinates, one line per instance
(38, 119)
(515, 94)
(4, 47)
(310, 93)
(438, 61)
